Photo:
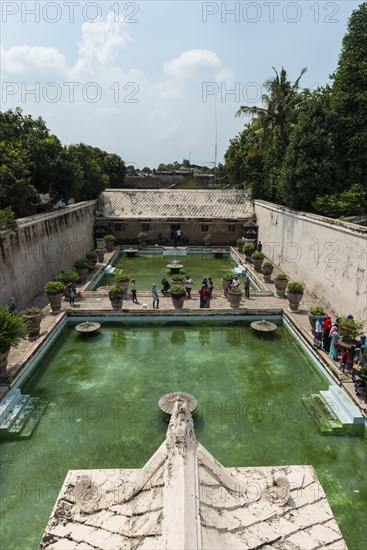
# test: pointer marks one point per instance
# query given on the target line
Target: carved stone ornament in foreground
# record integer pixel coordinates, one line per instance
(278, 490)
(86, 494)
(181, 426)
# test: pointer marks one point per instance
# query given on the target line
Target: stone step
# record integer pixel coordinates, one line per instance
(321, 413)
(345, 404)
(13, 412)
(8, 403)
(28, 420)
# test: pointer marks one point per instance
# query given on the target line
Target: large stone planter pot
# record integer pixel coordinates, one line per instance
(267, 273)
(257, 265)
(280, 286)
(109, 245)
(55, 301)
(83, 274)
(178, 300)
(100, 255)
(116, 303)
(33, 323)
(93, 264)
(3, 361)
(294, 300)
(234, 299)
(124, 285)
(225, 285)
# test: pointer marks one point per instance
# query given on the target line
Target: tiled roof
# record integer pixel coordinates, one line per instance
(184, 498)
(175, 203)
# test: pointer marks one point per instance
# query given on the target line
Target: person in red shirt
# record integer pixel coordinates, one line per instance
(343, 360)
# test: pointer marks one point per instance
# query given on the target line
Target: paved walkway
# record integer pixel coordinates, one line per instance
(259, 302)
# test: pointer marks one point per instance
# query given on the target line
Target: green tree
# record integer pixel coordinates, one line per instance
(351, 202)
(349, 101)
(94, 178)
(241, 163)
(115, 170)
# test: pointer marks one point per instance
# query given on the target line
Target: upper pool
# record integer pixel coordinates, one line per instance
(102, 396)
(149, 267)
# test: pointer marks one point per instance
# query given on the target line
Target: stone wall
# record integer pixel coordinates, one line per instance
(329, 256)
(41, 248)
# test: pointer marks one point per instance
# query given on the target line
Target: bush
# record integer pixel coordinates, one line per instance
(142, 236)
(235, 290)
(67, 276)
(100, 247)
(228, 276)
(240, 241)
(12, 329)
(178, 289)
(82, 264)
(54, 288)
(91, 255)
(116, 292)
(109, 238)
(267, 265)
(249, 249)
(317, 311)
(257, 256)
(281, 277)
(178, 278)
(295, 288)
(7, 219)
(350, 329)
(32, 311)
(122, 277)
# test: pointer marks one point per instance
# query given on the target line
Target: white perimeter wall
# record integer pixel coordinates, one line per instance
(41, 248)
(329, 256)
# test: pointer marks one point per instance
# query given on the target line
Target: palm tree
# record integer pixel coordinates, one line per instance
(281, 106)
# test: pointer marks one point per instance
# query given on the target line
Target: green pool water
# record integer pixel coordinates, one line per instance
(103, 393)
(151, 268)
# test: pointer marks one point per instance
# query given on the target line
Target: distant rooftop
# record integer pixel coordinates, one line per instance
(172, 203)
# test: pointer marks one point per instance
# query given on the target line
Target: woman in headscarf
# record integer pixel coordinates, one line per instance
(333, 353)
(155, 297)
(318, 332)
(326, 333)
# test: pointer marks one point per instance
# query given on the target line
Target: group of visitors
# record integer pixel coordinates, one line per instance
(206, 292)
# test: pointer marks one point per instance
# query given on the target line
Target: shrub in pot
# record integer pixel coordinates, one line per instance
(267, 269)
(350, 329)
(55, 291)
(178, 294)
(249, 250)
(178, 279)
(227, 278)
(234, 296)
(122, 280)
(109, 241)
(280, 283)
(239, 244)
(92, 257)
(32, 317)
(116, 296)
(294, 294)
(67, 277)
(207, 239)
(100, 251)
(257, 258)
(82, 266)
(12, 329)
(142, 238)
(314, 313)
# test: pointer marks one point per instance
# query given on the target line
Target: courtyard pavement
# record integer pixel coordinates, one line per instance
(89, 302)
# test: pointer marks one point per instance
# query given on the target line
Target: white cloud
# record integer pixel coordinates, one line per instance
(25, 59)
(193, 64)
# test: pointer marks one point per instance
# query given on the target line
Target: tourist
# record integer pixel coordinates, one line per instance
(318, 332)
(203, 296)
(178, 234)
(205, 282)
(72, 293)
(333, 353)
(133, 291)
(259, 246)
(247, 287)
(165, 286)
(12, 305)
(343, 360)
(155, 297)
(210, 288)
(188, 285)
(326, 333)
(235, 282)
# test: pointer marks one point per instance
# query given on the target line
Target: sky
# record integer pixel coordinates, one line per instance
(160, 81)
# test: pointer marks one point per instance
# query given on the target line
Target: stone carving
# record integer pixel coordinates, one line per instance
(181, 427)
(86, 494)
(278, 490)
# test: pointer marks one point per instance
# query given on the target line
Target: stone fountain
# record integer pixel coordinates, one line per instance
(175, 267)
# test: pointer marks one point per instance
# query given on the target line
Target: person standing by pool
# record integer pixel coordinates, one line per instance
(210, 288)
(72, 293)
(203, 296)
(247, 287)
(326, 333)
(165, 286)
(318, 332)
(133, 291)
(333, 353)
(155, 297)
(188, 285)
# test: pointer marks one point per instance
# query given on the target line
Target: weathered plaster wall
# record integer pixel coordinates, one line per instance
(41, 248)
(329, 256)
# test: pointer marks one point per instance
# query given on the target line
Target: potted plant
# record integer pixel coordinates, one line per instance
(239, 244)
(100, 251)
(226, 280)
(92, 257)
(33, 316)
(313, 314)
(349, 330)
(12, 330)
(207, 239)
(55, 291)
(109, 242)
(267, 269)
(249, 250)
(234, 296)
(67, 276)
(178, 294)
(142, 238)
(178, 279)
(280, 282)
(116, 296)
(294, 294)
(257, 258)
(122, 280)
(82, 266)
